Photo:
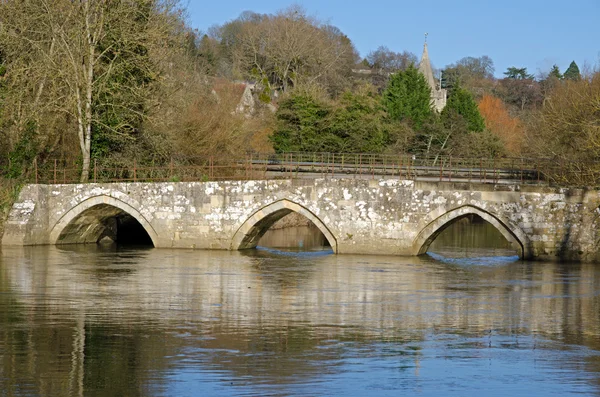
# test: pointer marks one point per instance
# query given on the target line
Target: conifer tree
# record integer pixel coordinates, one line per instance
(572, 72)
(461, 103)
(408, 97)
(555, 73)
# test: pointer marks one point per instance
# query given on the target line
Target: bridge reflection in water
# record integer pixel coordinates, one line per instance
(84, 320)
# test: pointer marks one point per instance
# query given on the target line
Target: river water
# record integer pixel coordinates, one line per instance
(469, 319)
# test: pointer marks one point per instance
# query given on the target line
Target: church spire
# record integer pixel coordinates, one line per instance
(438, 95)
(425, 67)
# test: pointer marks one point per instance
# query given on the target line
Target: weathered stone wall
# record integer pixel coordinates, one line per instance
(357, 216)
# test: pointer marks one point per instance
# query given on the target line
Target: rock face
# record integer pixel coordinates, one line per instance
(392, 217)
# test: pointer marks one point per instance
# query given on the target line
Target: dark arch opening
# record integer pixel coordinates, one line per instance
(471, 236)
(105, 224)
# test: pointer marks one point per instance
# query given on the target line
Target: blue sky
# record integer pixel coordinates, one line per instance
(531, 33)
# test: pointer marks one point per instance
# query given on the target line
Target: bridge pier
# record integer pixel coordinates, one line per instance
(388, 217)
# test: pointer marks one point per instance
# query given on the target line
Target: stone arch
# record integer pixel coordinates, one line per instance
(102, 201)
(256, 225)
(429, 233)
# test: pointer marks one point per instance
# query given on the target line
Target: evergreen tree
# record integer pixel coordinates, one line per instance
(555, 73)
(300, 125)
(572, 72)
(517, 73)
(408, 97)
(461, 103)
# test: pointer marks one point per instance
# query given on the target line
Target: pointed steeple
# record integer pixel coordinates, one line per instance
(425, 68)
(438, 95)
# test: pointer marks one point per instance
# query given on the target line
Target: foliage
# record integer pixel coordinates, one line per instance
(356, 123)
(361, 123)
(86, 65)
(300, 125)
(473, 74)
(9, 192)
(462, 103)
(567, 127)
(408, 97)
(521, 94)
(499, 122)
(389, 61)
(555, 73)
(518, 73)
(20, 159)
(286, 50)
(572, 72)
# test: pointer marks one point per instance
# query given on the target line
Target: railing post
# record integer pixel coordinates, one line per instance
(521, 169)
(450, 172)
(134, 170)
(372, 164)
(55, 171)
(482, 170)
(400, 168)
(36, 169)
(95, 167)
(333, 165)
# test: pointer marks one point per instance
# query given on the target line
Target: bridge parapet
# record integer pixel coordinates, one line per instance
(385, 216)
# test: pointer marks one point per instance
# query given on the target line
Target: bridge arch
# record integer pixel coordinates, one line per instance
(248, 235)
(432, 230)
(101, 207)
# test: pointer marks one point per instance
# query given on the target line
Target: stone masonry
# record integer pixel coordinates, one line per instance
(390, 217)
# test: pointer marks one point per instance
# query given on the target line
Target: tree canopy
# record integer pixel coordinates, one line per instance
(408, 97)
(572, 72)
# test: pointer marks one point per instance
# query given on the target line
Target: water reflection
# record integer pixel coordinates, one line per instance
(91, 321)
(472, 237)
(294, 232)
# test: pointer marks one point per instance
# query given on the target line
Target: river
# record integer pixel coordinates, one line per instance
(469, 319)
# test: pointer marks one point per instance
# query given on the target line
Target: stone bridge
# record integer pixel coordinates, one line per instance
(392, 217)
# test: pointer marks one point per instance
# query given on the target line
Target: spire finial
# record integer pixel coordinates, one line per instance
(426, 34)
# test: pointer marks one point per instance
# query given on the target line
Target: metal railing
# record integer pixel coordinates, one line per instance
(321, 165)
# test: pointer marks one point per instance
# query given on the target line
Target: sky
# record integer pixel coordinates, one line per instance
(530, 33)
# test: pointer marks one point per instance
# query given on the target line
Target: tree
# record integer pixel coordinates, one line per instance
(474, 74)
(468, 69)
(499, 122)
(555, 73)
(361, 123)
(550, 80)
(96, 54)
(566, 129)
(572, 72)
(523, 94)
(518, 73)
(461, 103)
(408, 97)
(300, 125)
(288, 49)
(388, 61)
(357, 122)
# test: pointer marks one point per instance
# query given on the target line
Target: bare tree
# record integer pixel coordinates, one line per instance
(95, 53)
(287, 49)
